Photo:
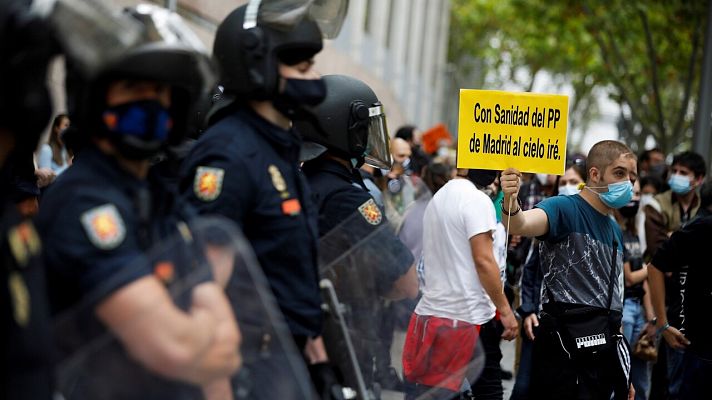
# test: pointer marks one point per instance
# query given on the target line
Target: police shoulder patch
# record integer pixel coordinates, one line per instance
(208, 183)
(371, 213)
(104, 226)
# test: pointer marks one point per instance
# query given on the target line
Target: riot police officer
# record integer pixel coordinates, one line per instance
(24, 111)
(350, 123)
(246, 164)
(100, 219)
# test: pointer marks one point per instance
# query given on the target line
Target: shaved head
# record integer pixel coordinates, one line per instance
(400, 149)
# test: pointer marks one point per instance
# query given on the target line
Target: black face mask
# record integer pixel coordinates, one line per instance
(299, 93)
(481, 177)
(629, 210)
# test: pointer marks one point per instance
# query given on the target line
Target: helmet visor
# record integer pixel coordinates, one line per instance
(378, 153)
(285, 14)
(91, 31)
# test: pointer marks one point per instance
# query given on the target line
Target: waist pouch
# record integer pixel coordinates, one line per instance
(585, 331)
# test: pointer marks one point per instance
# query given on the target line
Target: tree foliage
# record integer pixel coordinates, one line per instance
(645, 54)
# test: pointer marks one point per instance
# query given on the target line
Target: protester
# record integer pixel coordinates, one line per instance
(400, 192)
(651, 163)
(582, 259)
(100, 220)
(419, 159)
(461, 296)
(686, 252)
(665, 214)
(637, 309)
(531, 278)
(53, 155)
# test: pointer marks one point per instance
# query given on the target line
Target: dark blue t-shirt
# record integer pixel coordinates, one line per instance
(577, 254)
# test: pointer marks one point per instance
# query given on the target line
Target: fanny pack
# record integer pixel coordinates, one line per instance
(584, 331)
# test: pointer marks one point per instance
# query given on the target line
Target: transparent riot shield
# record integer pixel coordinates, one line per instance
(364, 269)
(204, 268)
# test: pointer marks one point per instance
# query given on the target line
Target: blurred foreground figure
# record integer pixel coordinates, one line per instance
(101, 219)
(24, 111)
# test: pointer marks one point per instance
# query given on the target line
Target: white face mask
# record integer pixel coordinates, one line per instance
(568, 190)
(543, 178)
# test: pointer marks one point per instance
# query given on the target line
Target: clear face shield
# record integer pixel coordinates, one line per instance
(284, 14)
(94, 32)
(378, 153)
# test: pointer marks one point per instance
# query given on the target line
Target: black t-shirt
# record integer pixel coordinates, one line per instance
(687, 252)
(635, 257)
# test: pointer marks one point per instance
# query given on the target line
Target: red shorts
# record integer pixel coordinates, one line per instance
(438, 351)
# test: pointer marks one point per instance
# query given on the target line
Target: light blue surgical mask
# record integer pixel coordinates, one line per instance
(618, 194)
(680, 184)
(568, 190)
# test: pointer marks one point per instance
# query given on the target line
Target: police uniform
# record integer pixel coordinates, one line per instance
(247, 169)
(98, 223)
(377, 258)
(340, 194)
(27, 344)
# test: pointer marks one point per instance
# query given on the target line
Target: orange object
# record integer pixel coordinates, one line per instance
(291, 207)
(433, 137)
(164, 271)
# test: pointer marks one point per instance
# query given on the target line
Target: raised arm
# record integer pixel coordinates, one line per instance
(530, 223)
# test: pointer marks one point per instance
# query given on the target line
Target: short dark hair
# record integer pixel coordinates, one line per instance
(654, 181)
(605, 152)
(645, 156)
(691, 160)
(405, 132)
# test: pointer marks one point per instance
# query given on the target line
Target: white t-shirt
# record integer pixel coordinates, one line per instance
(457, 212)
(500, 250)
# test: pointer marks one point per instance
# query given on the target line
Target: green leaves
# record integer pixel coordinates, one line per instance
(645, 54)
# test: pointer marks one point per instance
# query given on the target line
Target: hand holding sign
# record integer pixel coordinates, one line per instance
(499, 130)
(510, 181)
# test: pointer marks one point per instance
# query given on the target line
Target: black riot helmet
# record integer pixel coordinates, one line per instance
(350, 123)
(25, 51)
(248, 50)
(163, 50)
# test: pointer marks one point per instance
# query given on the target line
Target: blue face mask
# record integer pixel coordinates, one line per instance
(679, 184)
(618, 194)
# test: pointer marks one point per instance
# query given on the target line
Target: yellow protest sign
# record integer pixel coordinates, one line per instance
(499, 130)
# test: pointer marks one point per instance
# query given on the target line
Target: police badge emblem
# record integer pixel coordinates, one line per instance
(371, 213)
(24, 242)
(278, 181)
(208, 183)
(104, 226)
(20, 298)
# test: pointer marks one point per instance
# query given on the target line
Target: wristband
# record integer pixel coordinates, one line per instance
(663, 328)
(505, 212)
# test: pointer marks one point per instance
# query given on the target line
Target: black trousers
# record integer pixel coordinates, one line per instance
(558, 373)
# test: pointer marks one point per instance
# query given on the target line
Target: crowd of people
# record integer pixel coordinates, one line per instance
(600, 277)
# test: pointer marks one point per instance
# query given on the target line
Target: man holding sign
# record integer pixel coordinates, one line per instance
(579, 352)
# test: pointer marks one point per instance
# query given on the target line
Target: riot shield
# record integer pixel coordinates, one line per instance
(363, 266)
(97, 363)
